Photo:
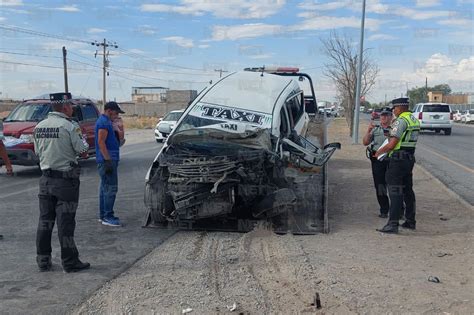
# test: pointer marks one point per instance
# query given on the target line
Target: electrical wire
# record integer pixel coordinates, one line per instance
(42, 34)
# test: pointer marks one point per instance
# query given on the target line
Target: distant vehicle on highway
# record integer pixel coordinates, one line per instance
(434, 116)
(457, 115)
(18, 127)
(376, 113)
(166, 124)
(468, 116)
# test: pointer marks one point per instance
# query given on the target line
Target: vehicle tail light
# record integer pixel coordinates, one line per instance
(420, 116)
(451, 116)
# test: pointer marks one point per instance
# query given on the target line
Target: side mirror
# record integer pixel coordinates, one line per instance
(164, 128)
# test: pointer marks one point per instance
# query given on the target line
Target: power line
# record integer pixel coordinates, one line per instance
(36, 65)
(42, 34)
(33, 55)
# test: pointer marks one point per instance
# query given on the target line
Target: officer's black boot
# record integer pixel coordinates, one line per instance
(389, 228)
(409, 225)
(44, 262)
(78, 266)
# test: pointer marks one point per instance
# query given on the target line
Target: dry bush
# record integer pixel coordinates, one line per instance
(137, 122)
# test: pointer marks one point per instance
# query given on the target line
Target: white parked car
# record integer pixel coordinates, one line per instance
(457, 115)
(434, 116)
(468, 116)
(166, 124)
(231, 152)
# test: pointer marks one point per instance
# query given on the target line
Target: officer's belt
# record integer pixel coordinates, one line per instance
(73, 173)
(403, 154)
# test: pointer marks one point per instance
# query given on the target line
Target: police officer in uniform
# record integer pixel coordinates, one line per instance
(399, 176)
(58, 142)
(375, 136)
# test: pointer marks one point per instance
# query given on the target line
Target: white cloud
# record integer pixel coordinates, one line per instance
(204, 46)
(180, 41)
(11, 3)
(261, 56)
(147, 30)
(456, 22)
(2, 18)
(420, 15)
(440, 68)
(334, 5)
(244, 31)
(381, 37)
(94, 30)
(427, 3)
(240, 9)
(68, 8)
(330, 22)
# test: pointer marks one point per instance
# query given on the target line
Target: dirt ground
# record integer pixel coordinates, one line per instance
(354, 269)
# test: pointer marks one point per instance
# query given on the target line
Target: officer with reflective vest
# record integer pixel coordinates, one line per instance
(399, 176)
(58, 141)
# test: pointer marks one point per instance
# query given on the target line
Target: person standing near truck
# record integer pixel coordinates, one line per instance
(374, 138)
(399, 176)
(4, 154)
(58, 141)
(107, 149)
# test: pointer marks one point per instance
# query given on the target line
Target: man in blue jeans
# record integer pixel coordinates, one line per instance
(107, 149)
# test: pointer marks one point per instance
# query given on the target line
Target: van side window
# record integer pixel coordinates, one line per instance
(295, 108)
(284, 125)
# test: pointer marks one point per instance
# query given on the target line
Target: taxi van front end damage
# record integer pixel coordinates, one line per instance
(228, 168)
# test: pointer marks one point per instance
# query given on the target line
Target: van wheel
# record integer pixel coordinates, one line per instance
(438, 130)
(447, 132)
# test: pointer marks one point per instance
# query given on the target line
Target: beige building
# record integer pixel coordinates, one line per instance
(435, 96)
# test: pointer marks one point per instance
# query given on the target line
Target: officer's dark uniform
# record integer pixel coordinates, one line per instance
(58, 141)
(399, 175)
(379, 168)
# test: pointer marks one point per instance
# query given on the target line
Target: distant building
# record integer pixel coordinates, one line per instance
(435, 96)
(154, 94)
(459, 98)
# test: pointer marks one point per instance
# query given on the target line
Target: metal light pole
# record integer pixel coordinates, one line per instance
(355, 130)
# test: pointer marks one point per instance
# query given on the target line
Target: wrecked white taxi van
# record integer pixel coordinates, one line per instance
(238, 155)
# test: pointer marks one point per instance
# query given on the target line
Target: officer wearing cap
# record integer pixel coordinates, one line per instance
(399, 176)
(374, 138)
(58, 141)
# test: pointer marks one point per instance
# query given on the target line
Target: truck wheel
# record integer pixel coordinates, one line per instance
(438, 130)
(447, 132)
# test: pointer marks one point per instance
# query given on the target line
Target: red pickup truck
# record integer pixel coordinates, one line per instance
(18, 127)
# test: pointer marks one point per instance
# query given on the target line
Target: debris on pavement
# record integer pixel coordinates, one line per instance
(187, 310)
(442, 254)
(434, 279)
(232, 308)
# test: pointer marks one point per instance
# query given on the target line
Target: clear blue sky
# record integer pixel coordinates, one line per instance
(179, 44)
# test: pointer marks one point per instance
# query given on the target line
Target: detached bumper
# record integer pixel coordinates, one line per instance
(23, 157)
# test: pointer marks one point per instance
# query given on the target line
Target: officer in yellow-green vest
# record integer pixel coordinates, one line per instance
(401, 155)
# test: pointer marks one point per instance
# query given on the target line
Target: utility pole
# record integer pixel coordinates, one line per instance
(220, 72)
(385, 99)
(105, 65)
(426, 89)
(66, 88)
(355, 130)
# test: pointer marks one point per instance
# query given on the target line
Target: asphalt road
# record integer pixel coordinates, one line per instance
(449, 158)
(110, 250)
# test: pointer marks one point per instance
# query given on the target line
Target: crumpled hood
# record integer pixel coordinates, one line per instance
(259, 139)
